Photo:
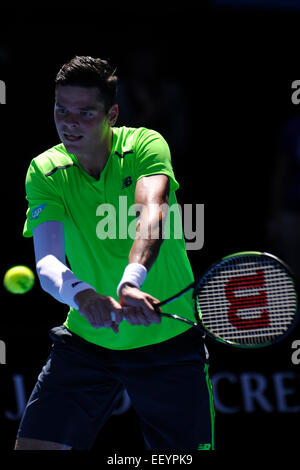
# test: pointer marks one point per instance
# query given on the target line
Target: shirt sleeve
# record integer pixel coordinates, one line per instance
(153, 157)
(44, 201)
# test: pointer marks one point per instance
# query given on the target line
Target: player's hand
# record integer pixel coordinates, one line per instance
(138, 306)
(97, 309)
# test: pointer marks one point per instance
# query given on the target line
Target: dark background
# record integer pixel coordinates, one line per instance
(217, 84)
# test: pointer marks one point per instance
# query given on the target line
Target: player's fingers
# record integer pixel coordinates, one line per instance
(149, 312)
(156, 306)
(146, 320)
(87, 313)
(142, 318)
(98, 315)
(116, 306)
(156, 310)
(142, 313)
(115, 314)
(132, 315)
(95, 316)
(93, 321)
(106, 318)
(128, 314)
(106, 308)
(154, 303)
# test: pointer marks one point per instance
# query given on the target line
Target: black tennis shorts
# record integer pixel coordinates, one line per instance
(81, 384)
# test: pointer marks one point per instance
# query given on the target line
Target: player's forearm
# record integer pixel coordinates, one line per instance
(58, 280)
(145, 252)
(50, 271)
(149, 237)
(145, 248)
(152, 199)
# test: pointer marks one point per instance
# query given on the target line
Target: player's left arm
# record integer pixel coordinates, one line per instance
(151, 199)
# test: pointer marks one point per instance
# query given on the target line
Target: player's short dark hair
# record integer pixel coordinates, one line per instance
(88, 71)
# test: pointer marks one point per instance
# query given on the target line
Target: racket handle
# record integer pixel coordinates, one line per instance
(169, 315)
(177, 317)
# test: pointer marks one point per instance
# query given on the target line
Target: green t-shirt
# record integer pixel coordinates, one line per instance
(99, 226)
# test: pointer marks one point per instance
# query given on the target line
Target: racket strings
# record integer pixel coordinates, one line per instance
(246, 301)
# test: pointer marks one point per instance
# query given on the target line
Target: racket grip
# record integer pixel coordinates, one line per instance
(169, 315)
(177, 317)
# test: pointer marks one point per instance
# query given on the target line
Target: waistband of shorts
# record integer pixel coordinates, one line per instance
(63, 334)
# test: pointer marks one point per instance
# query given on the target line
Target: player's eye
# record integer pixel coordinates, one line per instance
(86, 114)
(60, 110)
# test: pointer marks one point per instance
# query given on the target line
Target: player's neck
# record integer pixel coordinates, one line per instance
(94, 161)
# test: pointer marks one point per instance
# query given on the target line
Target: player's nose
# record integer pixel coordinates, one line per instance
(70, 121)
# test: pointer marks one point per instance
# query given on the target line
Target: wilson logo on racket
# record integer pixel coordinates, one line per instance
(247, 299)
(242, 302)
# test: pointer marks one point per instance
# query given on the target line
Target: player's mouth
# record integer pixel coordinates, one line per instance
(72, 137)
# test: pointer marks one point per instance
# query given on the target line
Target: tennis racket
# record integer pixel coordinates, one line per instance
(246, 299)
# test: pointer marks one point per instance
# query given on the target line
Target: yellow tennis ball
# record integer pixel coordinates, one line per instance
(19, 279)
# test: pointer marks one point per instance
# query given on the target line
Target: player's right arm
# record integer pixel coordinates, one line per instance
(60, 282)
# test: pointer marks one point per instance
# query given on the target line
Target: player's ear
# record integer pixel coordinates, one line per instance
(113, 114)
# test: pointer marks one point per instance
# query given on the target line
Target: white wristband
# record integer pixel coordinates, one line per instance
(70, 288)
(134, 273)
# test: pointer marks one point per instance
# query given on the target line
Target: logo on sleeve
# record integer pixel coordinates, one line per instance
(76, 283)
(36, 212)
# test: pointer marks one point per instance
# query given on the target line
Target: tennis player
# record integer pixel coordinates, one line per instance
(112, 338)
